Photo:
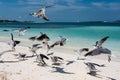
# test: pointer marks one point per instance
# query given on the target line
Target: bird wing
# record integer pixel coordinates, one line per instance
(41, 14)
(17, 42)
(100, 42)
(43, 56)
(60, 58)
(55, 44)
(33, 38)
(93, 52)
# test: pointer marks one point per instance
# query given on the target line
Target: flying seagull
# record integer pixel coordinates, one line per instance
(92, 68)
(40, 59)
(98, 51)
(41, 13)
(100, 42)
(22, 31)
(80, 51)
(14, 42)
(60, 42)
(55, 59)
(42, 37)
(34, 48)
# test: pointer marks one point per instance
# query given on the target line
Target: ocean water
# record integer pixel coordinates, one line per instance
(78, 34)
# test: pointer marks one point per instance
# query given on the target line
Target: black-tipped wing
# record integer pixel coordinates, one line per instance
(43, 56)
(32, 38)
(45, 18)
(60, 58)
(35, 45)
(99, 43)
(17, 42)
(55, 44)
(93, 52)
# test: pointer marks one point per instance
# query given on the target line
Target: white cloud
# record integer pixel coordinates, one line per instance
(97, 4)
(114, 6)
(102, 5)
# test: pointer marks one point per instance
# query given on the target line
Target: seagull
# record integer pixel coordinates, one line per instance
(80, 51)
(98, 51)
(14, 42)
(22, 55)
(41, 13)
(5, 30)
(22, 31)
(60, 42)
(43, 37)
(55, 59)
(100, 42)
(40, 59)
(34, 48)
(92, 68)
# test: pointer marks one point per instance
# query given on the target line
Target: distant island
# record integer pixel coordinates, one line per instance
(16, 21)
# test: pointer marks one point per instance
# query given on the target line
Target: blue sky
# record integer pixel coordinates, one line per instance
(62, 11)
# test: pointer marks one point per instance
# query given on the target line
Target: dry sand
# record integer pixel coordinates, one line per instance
(13, 69)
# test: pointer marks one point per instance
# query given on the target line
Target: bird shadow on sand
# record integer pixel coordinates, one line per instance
(61, 70)
(69, 62)
(6, 52)
(101, 76)
(9, 61)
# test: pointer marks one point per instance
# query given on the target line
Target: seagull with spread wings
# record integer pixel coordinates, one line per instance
(41, 13)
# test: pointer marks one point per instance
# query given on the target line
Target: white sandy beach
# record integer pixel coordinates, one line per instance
(13, 69)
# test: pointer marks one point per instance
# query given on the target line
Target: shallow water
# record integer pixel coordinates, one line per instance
(77, 36)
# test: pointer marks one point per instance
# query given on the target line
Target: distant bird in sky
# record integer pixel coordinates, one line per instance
(41, 13)
(100, 42)
(14, 42)
(22, 31)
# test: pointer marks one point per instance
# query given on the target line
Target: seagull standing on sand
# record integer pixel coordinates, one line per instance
(22, 56)
(22, 31)
(80, 51)
(14, 42)
(41, 13)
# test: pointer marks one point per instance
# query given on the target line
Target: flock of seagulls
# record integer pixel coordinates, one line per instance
(57, 60)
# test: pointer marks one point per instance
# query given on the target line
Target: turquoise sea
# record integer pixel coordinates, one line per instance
(78, 34)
